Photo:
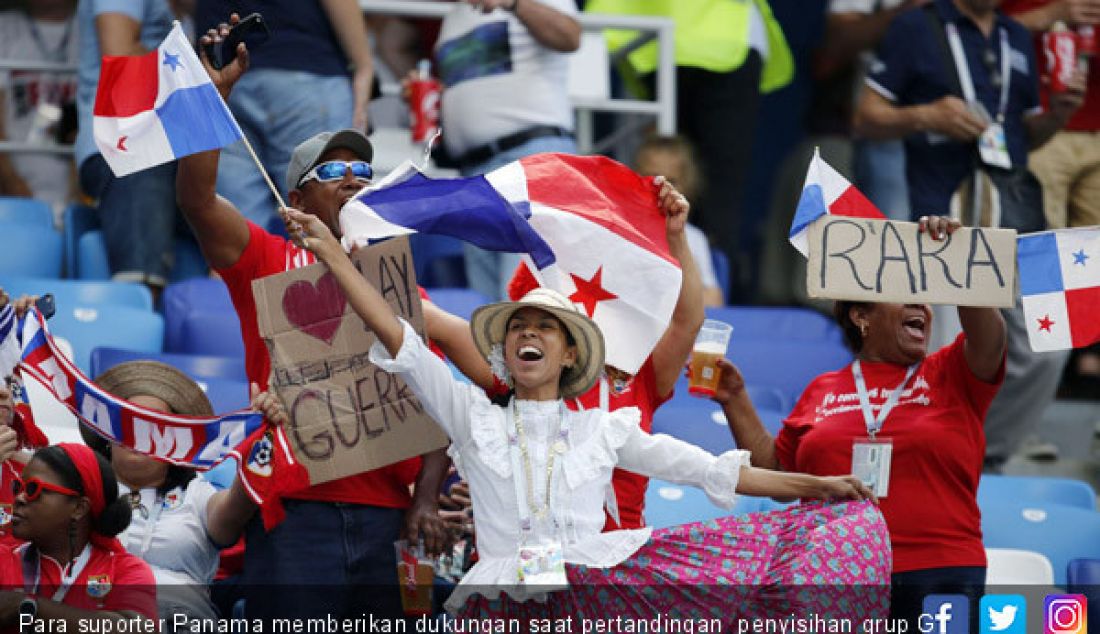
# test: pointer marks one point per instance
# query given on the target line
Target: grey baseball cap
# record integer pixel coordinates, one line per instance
(308, 153)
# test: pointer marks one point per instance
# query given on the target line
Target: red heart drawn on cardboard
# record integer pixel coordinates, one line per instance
(316, 309)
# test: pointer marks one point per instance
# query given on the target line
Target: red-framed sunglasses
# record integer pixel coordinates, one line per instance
(33, 487)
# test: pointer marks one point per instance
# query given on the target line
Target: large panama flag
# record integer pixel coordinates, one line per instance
(155, 108)
(590, 226)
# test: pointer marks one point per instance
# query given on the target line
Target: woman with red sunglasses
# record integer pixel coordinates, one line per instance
(71, 568)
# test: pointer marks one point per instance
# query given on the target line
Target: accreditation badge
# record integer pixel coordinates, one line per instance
(993, 147)
(871, 463)
(542, 565)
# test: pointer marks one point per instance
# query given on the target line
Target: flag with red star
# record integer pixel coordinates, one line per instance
(1060, 287)
(589, 226)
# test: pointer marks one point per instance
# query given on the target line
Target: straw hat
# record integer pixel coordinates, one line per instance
(489, 324)
(150, 378)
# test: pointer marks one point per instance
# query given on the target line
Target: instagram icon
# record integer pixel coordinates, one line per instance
(1065, 614)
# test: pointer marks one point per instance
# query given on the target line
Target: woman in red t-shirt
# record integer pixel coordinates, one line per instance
(910, 421)
(72, 568)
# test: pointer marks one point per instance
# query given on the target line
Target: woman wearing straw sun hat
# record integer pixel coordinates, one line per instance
(538, 473)
(179, 521)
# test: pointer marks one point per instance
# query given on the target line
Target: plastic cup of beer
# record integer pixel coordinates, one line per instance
(710, 345)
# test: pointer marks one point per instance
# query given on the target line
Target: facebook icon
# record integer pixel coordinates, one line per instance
(945, 614)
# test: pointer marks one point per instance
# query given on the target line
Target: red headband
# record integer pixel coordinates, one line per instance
(90, 476)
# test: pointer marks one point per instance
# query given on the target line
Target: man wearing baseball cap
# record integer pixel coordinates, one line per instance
(338, 534)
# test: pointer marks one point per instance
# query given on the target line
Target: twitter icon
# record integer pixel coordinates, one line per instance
(1003, 614)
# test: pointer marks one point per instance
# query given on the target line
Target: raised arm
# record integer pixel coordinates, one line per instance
(674, 347)
(984, 327)
(351, 30)
(221, 230)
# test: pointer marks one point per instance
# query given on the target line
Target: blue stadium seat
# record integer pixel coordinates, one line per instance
(764, 397)
(30, 250)
(787, 323)
(438, 260)
(226, 395)
(694, 420)
(996, 489)
(25, 211)
(457, 301)
(79, 219)
(73, 293)
(86, 328)
(1061, 533)
(702, 423)
(91, 256)
(196, 366)
(668, 504)
(182, 298)
(721, 264)
(213, 332)
(785, 364)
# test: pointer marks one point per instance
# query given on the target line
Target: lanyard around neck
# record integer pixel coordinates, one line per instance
(966, 81)
(32, 571)
(874, 425)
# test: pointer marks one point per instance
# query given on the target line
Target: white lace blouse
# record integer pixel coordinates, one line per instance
(481, 441)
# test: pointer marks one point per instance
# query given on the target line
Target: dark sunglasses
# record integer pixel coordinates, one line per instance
(335, 170)
(33, 487)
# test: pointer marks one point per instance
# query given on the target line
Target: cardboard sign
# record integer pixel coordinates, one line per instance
(886, 261)
(346, 415)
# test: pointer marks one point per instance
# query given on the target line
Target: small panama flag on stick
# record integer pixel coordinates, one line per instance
(155, 108)
(826, 192)
(1060, 287)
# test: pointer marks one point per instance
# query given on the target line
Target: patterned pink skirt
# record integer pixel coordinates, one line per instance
(829, 561)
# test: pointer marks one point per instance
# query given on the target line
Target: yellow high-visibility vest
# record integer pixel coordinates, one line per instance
(710, 34)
